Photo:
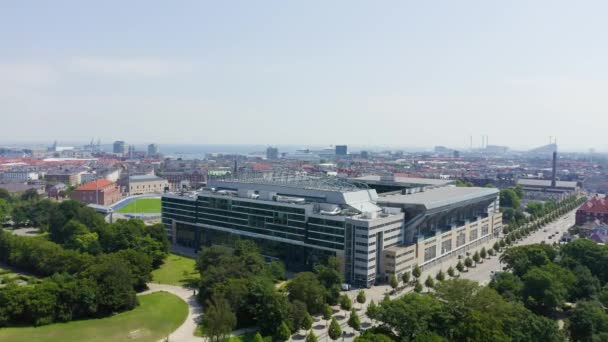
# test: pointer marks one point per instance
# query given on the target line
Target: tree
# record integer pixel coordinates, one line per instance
(460, 266)
(509, 199)
(30, 195)
(451, 272)
(345, 302)
(4, 210)
(508, 285)
(327, 312)
(429, 282)
(418, 286)
(411, 315)
(283, 333)
(258, 338)
(483, 253)
(587, 321)
(416, 272)
(440, 276)
(491, 252)
(334, 331)
(354, 321)
(307, 322)
(405, 277)
(218, 320)
(393, 282)
(372, 310)
(311, 337)
(306, 287)
(502, 243)
(546, 287)
(361, 297)
(468, 262)
(476, 257)
(298, 315)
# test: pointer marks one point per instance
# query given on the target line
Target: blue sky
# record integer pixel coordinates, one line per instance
(400, 73)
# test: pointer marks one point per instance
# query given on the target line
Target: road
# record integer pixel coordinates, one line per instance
(481, 273)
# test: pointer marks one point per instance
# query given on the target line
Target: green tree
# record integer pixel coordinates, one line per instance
(307, 288)
(361, 297)
(429, 282)
(476, 257)
(354, 321)
(307, 322)
(393, 282)
(508, 285)
(334, 331)
(258, 338)
(468, 262)
(283, 333)
(460, 266)
(483, 254)
(345, 302)
(588, 322)
(416, 272)
(418, 287)
(451, 272)
(372, 310)
(218, 320)
(405, 277)
(311, 337)
(509, 199)
(411, 315)
(327, 312)
(502, 243)
(5, 210)
(440, 276)
(546, 287)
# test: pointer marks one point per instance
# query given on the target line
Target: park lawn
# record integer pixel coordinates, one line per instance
(158, 315)
(142, 205)
(177, 270)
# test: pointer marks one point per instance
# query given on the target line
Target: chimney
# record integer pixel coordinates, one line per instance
(235, 168)
(554, 170)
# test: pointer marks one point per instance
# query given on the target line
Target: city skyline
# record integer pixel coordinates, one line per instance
(422, 74)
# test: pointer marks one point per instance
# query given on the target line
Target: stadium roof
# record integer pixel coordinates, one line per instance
(404, 181)
(546, 183)
(439, 197)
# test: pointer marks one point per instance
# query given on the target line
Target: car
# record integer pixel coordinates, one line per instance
(345, 287)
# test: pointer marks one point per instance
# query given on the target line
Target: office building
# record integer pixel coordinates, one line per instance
(152, 149)
(341, 150)
(119, 147)
(272, 153)
(303, 220)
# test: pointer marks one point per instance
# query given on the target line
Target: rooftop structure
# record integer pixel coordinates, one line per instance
(391, 183)
(440, 197)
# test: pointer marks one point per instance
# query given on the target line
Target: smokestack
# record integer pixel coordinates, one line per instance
(235, 168)
(554, 171)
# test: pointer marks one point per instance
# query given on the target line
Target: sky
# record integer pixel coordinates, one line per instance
(390, 73)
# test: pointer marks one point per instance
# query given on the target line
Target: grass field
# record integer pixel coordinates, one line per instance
(158, 315)
(142, 205)
(177, 270)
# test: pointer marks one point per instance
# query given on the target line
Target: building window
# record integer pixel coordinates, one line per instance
(484, 230)
(473, 235)
(446, 246)
(430, 253)
(460, 239)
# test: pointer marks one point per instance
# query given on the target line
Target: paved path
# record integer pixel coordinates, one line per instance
(185, 333)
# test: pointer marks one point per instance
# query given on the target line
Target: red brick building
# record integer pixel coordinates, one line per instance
(594, 209)
(100, 191)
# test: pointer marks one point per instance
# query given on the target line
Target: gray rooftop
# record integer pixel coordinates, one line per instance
(546, 183)
(403, 181)
(439, 197)
(144, 178)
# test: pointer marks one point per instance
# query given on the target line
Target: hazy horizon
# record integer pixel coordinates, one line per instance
(402, 74)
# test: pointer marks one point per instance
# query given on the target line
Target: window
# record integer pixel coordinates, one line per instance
(446, 246)
(473, 234)
(484, 230)
(430, 253)
(460, 239)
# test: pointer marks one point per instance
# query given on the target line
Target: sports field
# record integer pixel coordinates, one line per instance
(142, 205)
(158, 315)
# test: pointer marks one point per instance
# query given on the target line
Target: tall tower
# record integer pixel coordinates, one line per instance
(554, 169)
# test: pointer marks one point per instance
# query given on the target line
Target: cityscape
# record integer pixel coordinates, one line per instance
(303, 172)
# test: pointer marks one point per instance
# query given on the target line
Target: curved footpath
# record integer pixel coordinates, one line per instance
(185, 332)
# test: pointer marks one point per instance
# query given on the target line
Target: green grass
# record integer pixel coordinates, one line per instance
(142, 205)
(158, 315)
(248, 338)
(177, 270)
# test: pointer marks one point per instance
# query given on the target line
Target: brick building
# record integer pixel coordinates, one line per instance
(594, 209)
(100, 191)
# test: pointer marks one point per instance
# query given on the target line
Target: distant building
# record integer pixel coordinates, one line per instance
(18, 188)
(272, 153)
(364, 154)
(119, 147)
(146, 184)
(341, 150)
(57, 190)
(66, 177)
(456, 154)
(100, 191)
(594, 209)
(18, 176)
(131, 152)
(152, 149)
